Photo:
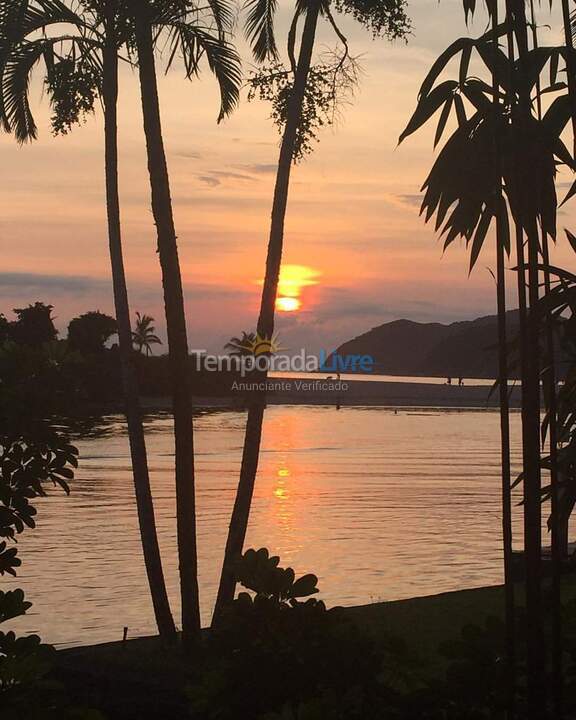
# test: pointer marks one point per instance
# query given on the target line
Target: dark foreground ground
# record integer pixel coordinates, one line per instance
(141, 679)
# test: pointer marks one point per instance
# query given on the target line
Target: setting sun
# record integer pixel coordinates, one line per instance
(293, 279)
(288, 304)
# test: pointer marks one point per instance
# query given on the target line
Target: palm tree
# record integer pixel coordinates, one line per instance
(242, 346)
(386, 17)
(144, 335)
(187, 34)
(464, 191)
(95, 37)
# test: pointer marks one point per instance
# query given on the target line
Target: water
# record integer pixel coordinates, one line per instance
(374, 377)
(380, 505)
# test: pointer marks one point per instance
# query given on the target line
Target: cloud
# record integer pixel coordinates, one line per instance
(209, 180)
(260, 168)
(412, 200)
(189, 155)
(15, 283)
(213, 178)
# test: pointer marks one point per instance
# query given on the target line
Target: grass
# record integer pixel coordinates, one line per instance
(141, 678)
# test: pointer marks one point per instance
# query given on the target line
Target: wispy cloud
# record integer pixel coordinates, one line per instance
(213, 178)
(16, 283)
(260, 168)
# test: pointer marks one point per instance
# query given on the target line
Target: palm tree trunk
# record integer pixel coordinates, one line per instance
(558, 541)
(502, 241)
(144, 502)
(253, 437)
(176, 327)
(549, 377)
(528, 291)
(510, 611)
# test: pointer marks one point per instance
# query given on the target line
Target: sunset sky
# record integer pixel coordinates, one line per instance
(352, 220)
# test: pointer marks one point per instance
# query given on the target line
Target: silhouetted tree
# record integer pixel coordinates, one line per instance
(89, 333)
(34, 325)
(302, 98)
(144, 335)
(243, 345)
(465, 191)
(4, 329)
(187, 28)
(82, 62)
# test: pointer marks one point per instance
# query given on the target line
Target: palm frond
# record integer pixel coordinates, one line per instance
(16, 112)
(191, 43)
(259, 27)
(224, 13)
(15, 75)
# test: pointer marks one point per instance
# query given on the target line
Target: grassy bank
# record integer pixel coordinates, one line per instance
(141, 678)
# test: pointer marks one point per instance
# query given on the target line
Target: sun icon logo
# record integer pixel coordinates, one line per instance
(264, 346)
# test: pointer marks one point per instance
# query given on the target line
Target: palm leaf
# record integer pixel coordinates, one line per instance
(259, 28)
(192, 42)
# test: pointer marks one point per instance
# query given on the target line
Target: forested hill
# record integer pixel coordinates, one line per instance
(462, 349)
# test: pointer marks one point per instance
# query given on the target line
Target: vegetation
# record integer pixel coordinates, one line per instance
(33, 455)
(499, 168)
(144, 335)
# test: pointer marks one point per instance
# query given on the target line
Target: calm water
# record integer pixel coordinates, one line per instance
(380, 505)
(374, 377)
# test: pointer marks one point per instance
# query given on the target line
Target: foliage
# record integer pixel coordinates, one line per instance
(89, 333)
(4, 329)
(72, 44)
(381, 17)
(560, 303)
(144, 335)
(329, 85)
(492, 146)
(243, 346)
(34, 325)
(73, 86)
(281, 651)
(32, 453)
(28, 459)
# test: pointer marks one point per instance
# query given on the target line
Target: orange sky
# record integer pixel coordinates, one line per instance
(353, 211)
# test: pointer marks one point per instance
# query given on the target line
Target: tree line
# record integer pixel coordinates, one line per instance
(88, 334)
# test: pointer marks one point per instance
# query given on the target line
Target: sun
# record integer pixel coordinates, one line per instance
(288, 304)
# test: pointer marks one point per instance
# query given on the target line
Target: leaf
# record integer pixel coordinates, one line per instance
(571, 239)
(441, 63)
(554, 68)
(570, 194)
(480, 236)
(428, 105)
(464, 63)
(259, 28)
(443, 120)
(503, 226)
(305, 586)
(460, 110)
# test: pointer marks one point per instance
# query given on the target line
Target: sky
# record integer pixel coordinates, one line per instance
(353, 217)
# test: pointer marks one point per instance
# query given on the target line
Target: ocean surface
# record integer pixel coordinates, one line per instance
(381, 504)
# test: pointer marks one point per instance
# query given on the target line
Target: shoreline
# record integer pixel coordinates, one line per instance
(350, 393)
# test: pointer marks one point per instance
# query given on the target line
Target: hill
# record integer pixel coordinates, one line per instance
(465, 349)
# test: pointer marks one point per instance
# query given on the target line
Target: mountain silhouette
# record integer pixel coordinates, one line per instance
(461, 349)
